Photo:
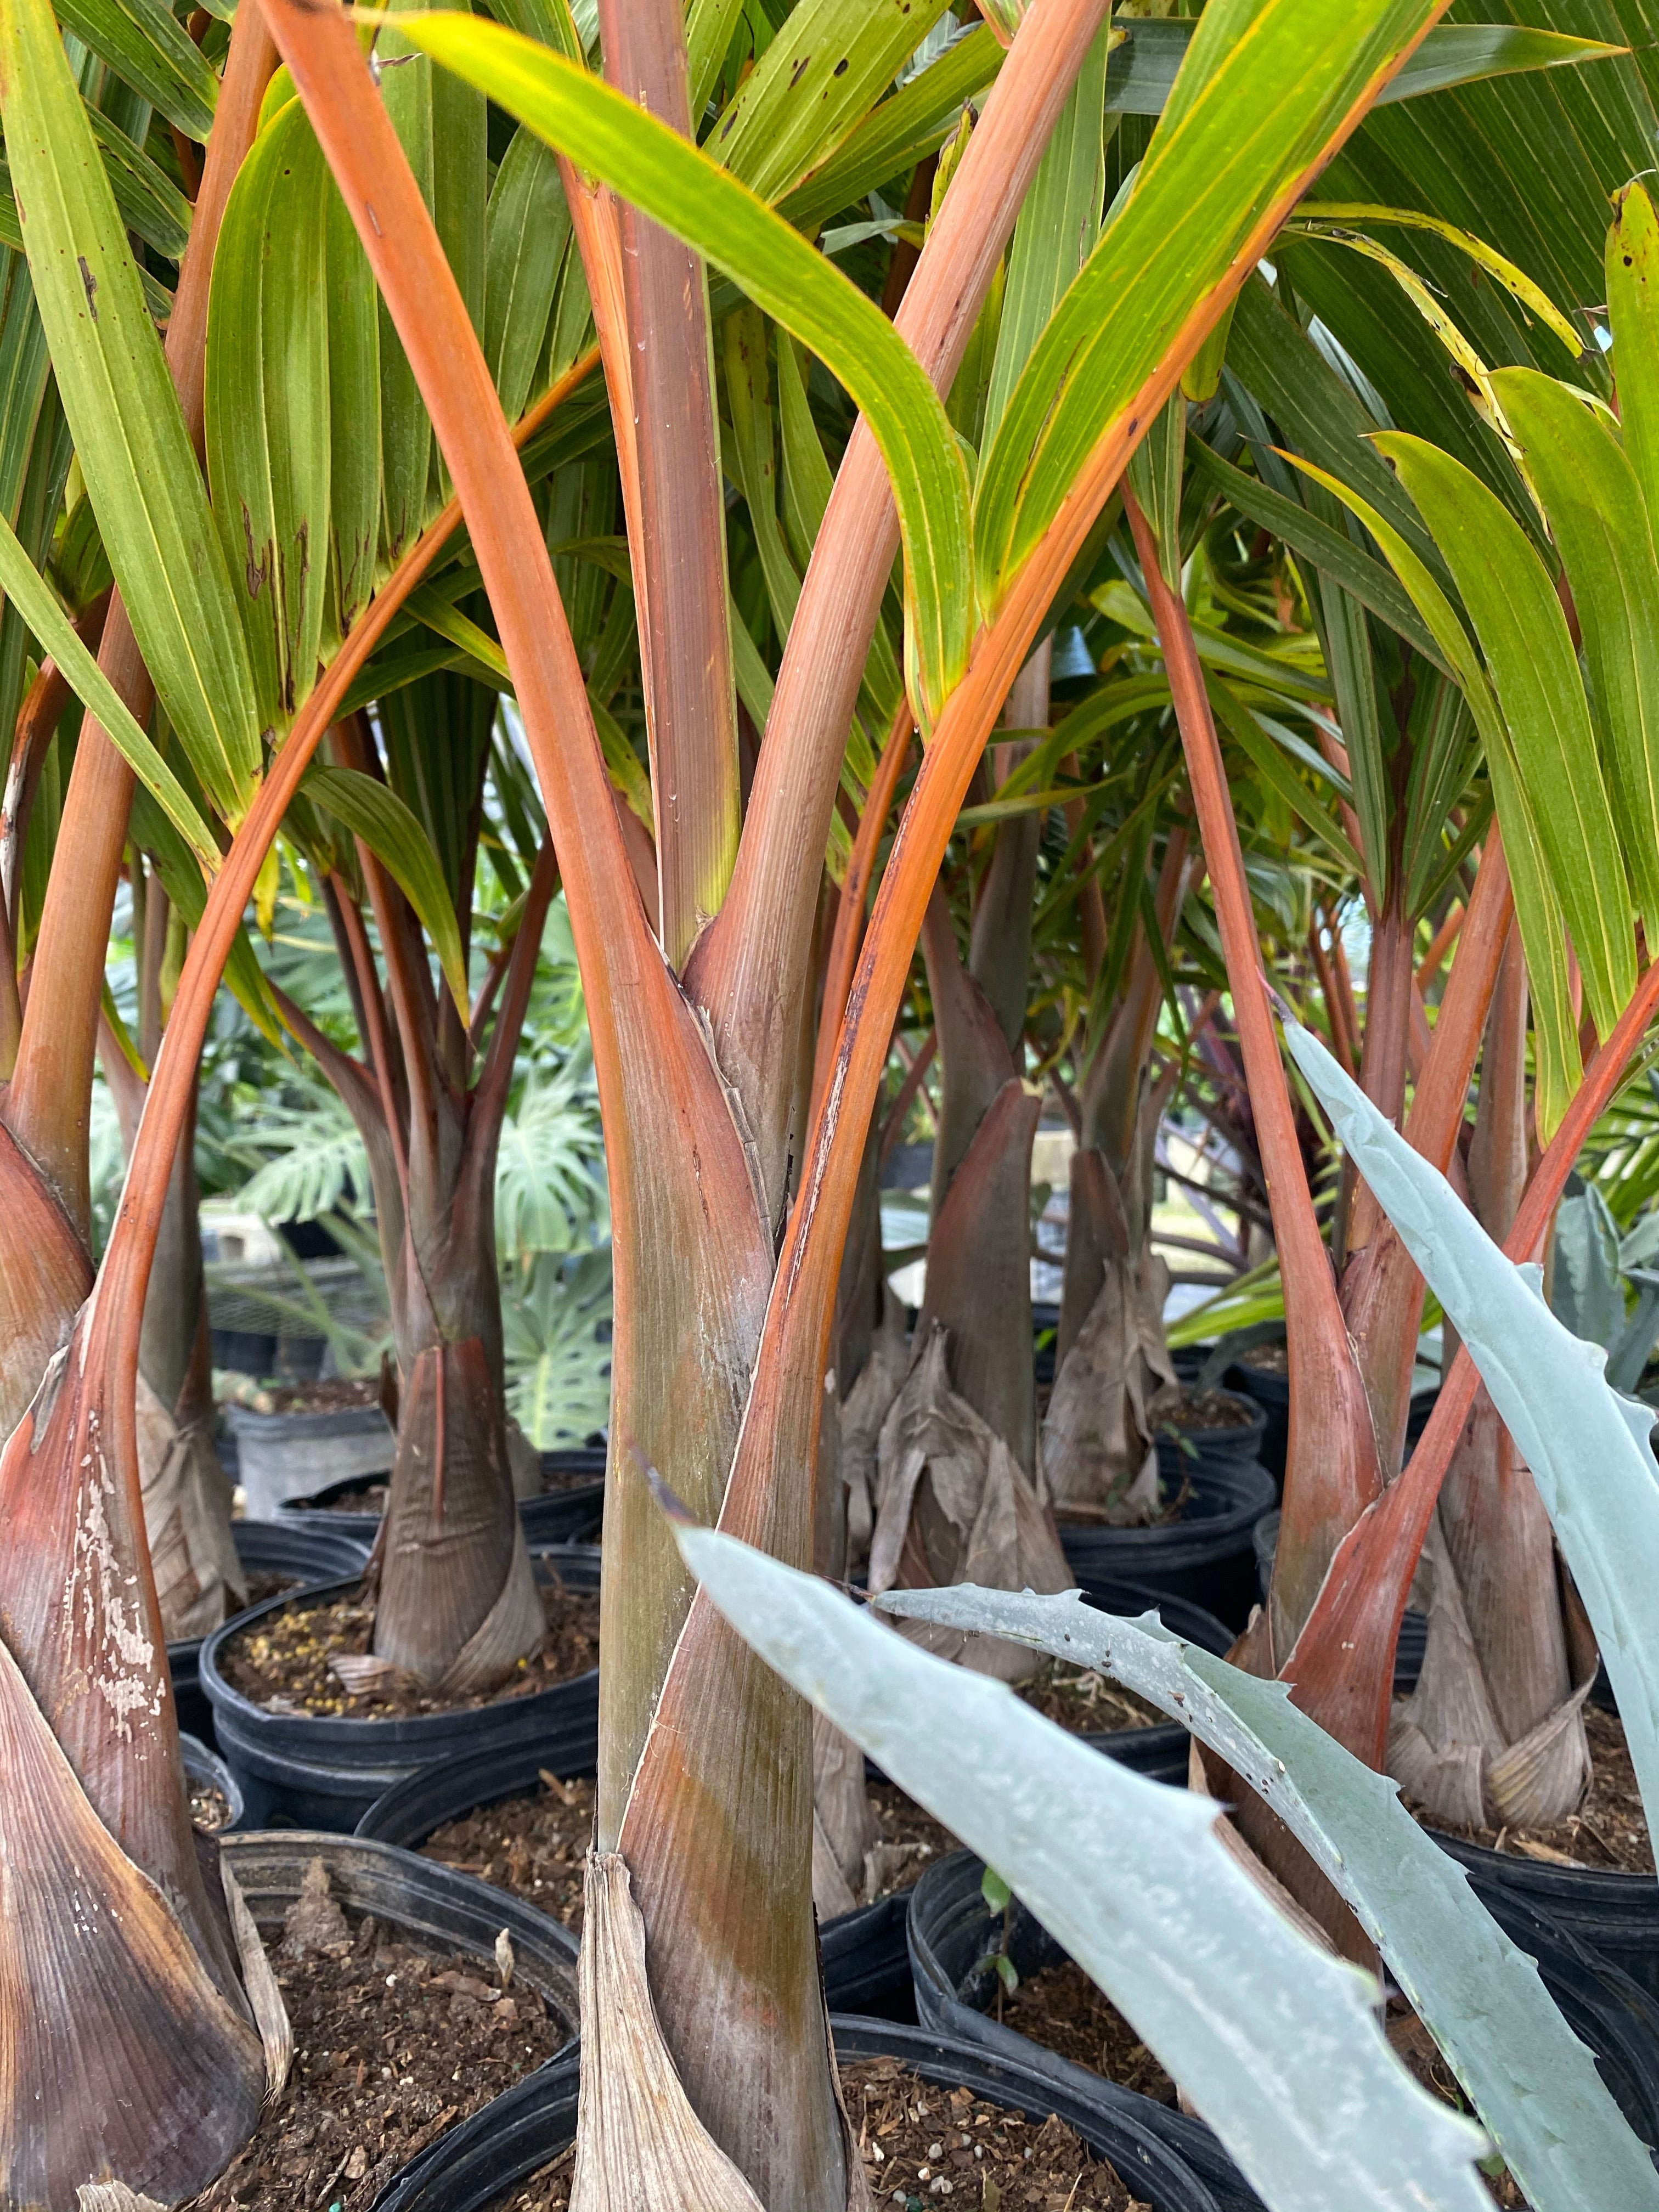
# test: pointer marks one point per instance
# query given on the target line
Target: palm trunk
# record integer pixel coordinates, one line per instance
(1381, 1289)
(1110, 1359)
(186, 1493)
(1332, 1473)
(959, 1484)
(1494, 1734)
(455, 1600)
(456, 1604)
(140, 1981)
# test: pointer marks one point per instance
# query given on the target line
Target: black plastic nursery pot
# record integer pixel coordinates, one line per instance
(434, 1908)
(568, 1510)
(309, 1770)
(1417, 1419)
(205, 1770)
(281, 1456)
(265, 1547)
(572, 1504)
(336, 1509)
(473, 2167)
(952, 1930)
(1271, 1392)
(1206, 1555)
(1615, 1913)
(1185, 1451)
(1603, 2004)
(866, 1966)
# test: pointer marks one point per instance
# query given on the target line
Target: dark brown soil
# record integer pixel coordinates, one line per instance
(391, 2045)
(1608, 1833)
(1063, 2009)
(333, 1396)
(1086, 1702)
(267, 1583)
(907, 1830)
(281, 1661)
(555, 1481)
(355, 1498)
(1417, 2050)
(1199, 1411)
(534, 1843)
(915, 2137)
(1266, 1359)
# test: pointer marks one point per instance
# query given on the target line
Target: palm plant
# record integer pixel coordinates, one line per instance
(456, 1603)
(1504, 1647)
(708, 2077)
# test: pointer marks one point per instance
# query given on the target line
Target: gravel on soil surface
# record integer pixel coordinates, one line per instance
(337, 1395)
(282, 1661)
(924, 2145)
(209, 1807)
(1266, 1359)
(1063, 2010)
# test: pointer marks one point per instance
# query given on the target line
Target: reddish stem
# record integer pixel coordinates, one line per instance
(1331, 1474)
(377, 1039)
(1342, 1666)
(1444, 938)
(914, 1076)
(1091, 907)
(754, 958)
(849, 913)
(1381, 1289)
(490, 1095)
(679, 548)
(408, 980)
(1342, 1044)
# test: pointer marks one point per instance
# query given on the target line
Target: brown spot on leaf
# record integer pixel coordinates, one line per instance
(258, 571)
